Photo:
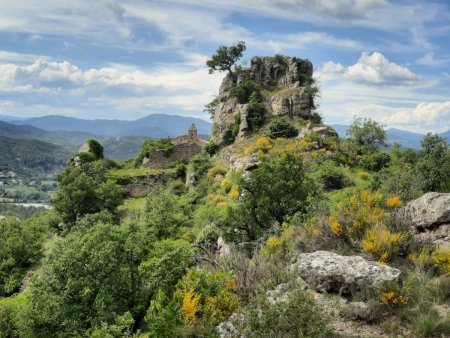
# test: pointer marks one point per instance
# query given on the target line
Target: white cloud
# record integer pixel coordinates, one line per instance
(373, 69)
(422, 118)
(120, 87)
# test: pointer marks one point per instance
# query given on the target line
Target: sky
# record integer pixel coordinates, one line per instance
(124, 59)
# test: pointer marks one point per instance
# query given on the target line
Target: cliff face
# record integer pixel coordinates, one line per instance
(285, 84)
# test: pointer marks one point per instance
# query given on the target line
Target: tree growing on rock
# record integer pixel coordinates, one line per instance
(226, 57)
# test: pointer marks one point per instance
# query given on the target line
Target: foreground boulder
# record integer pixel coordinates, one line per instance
(429, 217)
(345, 275)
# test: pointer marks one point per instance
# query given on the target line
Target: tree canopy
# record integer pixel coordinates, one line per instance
(226, 57)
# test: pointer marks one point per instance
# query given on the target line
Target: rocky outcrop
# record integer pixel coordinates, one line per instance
(320, 129)
(286, 81)
(345, 275)
(429, 217)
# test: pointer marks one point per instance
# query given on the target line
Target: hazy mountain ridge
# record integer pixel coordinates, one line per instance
(155, 126)
(407, 139)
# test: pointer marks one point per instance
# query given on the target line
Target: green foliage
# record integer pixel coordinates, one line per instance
(164, 316)
(200, 164)
(243, 91)
(331, 176)
(35, 156)
(88, 278)
(281, 128)
(163, 215)
(85, 190)
(13, 317)
(21, 245)
(275, 191)
(95, 148)
(400, 178)
(166, 264)
(211, 148)
(367, 134)
(316, 118)
(151, 145)
(230, 134)
(122, 327)
(210, 108)
(180, 170)
(434, 166)
(256, 111)
(226, 57)
(299, 316)
(375, 160)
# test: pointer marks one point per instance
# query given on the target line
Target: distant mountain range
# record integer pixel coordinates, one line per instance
(121, 139)
(154, 126)
(406, 138)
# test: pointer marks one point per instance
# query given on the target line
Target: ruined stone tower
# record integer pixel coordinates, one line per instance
(193, 132)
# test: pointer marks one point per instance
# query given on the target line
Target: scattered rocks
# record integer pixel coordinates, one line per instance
(429, 217)
(345, 275)
(245, 163)
(227, 329)
(279, 294)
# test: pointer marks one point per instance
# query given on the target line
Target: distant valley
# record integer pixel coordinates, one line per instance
(121, 139)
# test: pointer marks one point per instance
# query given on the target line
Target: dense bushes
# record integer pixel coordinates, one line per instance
(89, 278)
(21, 245)
(281, 128)
(85, 190)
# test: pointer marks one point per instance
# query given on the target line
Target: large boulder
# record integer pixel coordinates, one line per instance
(345, 275)
(429, 217)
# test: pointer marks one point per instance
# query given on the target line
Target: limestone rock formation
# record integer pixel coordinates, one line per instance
(286, 81)
(321, 129)
(346, 275)
(85, 148)
(429, 217)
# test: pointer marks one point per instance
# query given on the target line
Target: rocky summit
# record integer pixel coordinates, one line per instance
(285, 83)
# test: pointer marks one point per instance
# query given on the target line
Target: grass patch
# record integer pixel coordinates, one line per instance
(132, 204)
(138, 172)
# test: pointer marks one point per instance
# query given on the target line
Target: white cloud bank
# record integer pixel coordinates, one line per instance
(373, 69)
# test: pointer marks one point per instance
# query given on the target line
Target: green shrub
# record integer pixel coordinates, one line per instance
(21, 245)
(256, 111)
(244, 90)
(85, 157)
(281, 128)
(95, 148)
(230, 134)
(211, 148)
(299, 316)
(316, 118)
(375, 161)
(331, 176)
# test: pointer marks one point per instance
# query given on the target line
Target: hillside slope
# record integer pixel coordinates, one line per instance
(28, 156)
